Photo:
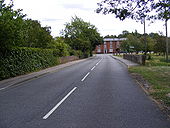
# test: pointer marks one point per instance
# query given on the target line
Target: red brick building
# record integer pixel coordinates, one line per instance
(110, 45)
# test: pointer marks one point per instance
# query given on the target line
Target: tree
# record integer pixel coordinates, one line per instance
(110, 36)
(138, 10)
(150, 43)
(35, 35)
(162, 8)
(122, 9)
(11, 22)
(124, 34)
(18, 31)
(132, 44)
(135, 9)
(159, 43)
(81, 35)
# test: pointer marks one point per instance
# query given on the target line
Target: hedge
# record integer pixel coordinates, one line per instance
(18, 61)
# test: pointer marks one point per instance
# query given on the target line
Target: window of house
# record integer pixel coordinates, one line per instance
(111, 46)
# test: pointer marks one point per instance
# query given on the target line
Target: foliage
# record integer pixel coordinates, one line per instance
(81, 35)
(36, 36)
(124, 34)
(134, 9)
(77, 53)
(24, 43)
(132, 44)
(138, 10)
(61, 48)
(157, 61)
(11, 23)
(159, 43)
(150, 43)
(162, 8)
(136, 42)
(110, 36)
(18, 31)
(19, 61)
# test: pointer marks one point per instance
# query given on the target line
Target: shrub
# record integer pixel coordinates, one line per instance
(77, 53)
(18, 61)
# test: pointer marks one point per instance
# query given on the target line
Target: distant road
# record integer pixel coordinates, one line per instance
(96, 93)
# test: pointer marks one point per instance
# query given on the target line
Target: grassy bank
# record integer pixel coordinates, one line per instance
(157, 73)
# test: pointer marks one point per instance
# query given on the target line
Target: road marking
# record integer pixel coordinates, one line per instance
(93, 68)
(57, 105)
(85, 76)
(99, 61)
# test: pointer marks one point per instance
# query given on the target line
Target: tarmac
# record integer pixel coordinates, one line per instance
(20, 79)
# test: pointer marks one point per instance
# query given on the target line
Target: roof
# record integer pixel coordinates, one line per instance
(114, 39)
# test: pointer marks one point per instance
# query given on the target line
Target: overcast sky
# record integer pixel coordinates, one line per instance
(56, 13)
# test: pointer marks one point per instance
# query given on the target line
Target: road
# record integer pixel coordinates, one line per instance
(96, 93)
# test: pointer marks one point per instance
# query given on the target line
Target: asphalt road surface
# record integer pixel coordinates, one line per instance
(96, 93)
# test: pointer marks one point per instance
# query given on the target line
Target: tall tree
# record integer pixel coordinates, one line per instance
(81, 35)
(138, 10)
(122, 9)
(11, 22)
(162, 8)
(132, 44)
(35, 35)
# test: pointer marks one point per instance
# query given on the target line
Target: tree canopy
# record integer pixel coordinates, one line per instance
(81, 35)
(138, 10)
(16, 30)
(134, 9)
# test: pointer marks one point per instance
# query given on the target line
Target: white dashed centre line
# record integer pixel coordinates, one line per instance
(57, 105)
(85, 76)
(93, 68)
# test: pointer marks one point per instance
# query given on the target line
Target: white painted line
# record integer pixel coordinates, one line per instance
(85, 76)
(57, 105)
(99, 62)
(93, 68)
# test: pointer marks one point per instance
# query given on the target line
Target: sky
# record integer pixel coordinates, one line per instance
(56, 13)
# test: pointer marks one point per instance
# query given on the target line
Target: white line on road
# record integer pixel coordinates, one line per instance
(85, 76)
(99, 61)
(93, 68)
(57, 105)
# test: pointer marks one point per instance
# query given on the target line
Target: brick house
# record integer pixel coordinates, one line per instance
(110, 45)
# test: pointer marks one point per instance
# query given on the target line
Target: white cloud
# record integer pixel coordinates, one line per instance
(56, 13)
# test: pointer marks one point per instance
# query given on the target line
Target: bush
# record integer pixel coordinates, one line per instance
(61, 49)
(18, 61)
(77, 53)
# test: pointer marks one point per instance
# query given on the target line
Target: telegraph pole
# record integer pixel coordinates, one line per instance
(167, 46)
(145, 36)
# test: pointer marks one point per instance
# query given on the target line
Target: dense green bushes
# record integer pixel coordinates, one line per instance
(19, 61)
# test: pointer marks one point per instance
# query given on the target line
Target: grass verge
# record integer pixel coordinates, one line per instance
(157, 74)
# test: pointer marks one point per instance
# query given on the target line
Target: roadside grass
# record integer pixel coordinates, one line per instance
(157, 73)
(157, 61)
